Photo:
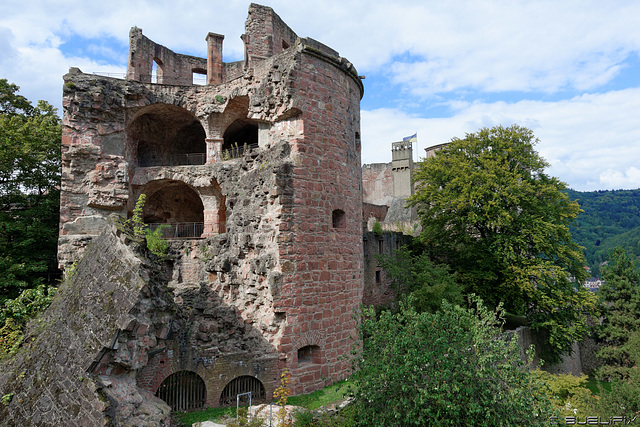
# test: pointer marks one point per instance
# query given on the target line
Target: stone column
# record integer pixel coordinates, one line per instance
(214, 150)
(214, 215)
(214, 58)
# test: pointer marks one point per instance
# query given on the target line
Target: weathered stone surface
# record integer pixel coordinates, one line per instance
(53, 378)
(265, 158)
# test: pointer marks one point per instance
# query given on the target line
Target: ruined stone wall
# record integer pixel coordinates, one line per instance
(371, 214)
(278, 268)
(377, 288)
(172, 68)
(377, 183)
(265, 34)
(112, 312)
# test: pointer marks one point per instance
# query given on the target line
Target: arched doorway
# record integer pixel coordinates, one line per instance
(243, 384)
(183, 391)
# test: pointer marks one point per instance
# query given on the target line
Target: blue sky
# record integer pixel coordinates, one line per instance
(567, 69)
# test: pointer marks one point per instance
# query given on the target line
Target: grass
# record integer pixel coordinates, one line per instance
(326, 396)
(318, 398)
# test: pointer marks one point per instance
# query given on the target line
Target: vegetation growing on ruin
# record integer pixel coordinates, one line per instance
(154, 239)
(413, 274)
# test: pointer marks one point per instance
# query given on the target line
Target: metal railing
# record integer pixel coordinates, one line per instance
(193, 159)
(179, 230)
(236, 150)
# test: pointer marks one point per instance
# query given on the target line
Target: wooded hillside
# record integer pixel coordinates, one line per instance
(610, 218)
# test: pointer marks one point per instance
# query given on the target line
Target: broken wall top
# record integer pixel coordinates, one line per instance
(266, 35)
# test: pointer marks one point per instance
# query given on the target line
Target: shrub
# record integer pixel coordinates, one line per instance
(452, 367)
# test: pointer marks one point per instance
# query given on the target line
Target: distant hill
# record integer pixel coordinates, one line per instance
(610, 218)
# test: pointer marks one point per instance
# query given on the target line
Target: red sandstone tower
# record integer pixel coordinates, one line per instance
(255, 171)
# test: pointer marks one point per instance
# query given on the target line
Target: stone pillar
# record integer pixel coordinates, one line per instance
(140, 59)
(214, 215)
(214, 150)
(214, 58)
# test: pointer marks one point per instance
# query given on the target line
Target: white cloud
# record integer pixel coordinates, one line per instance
(629, 179)
(583, 139)
(463, 54)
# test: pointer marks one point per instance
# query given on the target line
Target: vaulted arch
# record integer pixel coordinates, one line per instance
(166, 135)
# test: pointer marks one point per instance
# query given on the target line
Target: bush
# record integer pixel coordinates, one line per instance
(156, 243)
(452, 367)
(568, 393)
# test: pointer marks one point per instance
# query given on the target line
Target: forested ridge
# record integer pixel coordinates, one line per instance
(611, 218)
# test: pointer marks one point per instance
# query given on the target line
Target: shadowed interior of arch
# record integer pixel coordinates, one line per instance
(183, 391)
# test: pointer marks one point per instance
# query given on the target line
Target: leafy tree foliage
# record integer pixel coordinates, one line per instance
(620, 334)
(29, 191)
(416, 275)
(490, 212)
(451, 367)
(620, 301)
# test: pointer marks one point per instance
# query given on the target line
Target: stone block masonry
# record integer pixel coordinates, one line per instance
(256, 176)
(110, 313)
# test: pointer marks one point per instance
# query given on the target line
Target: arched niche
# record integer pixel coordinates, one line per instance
(176, 204)
(183, 391)
(239, 385)
(167, 135)
(309, 354)
(241, 135)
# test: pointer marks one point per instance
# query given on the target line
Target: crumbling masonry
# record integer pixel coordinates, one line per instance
(256, 176)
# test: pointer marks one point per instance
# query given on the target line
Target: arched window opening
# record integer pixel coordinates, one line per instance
(176, 208)
(243, 384)
(309, 354)
(199, 76)
(166, 135)
(338, 219)
(240, 136)
(183, 391)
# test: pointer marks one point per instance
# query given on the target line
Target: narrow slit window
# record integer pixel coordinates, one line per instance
(338, 219)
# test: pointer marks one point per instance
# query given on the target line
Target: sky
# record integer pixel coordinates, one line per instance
(569, 70)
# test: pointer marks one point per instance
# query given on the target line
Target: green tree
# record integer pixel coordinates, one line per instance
(490, 212)
(619, 298)
(416, 275)
(452, 367)
(29, 192)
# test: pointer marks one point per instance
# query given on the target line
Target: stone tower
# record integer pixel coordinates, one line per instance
(255, 175)
(402, 166)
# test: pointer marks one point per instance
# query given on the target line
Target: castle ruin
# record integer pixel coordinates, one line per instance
(255, 178)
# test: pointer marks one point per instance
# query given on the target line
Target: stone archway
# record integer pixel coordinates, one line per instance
(176, 205)
(183, 391)
(166, 135)
(243, 384)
